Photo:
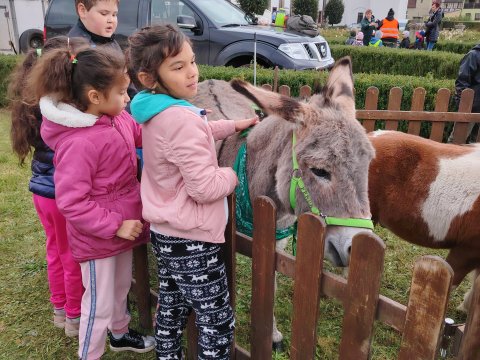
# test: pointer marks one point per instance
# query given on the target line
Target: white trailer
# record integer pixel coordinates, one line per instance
(21, 25)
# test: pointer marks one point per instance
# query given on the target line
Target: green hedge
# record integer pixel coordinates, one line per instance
(295, 79)
(440, 65)
(7, 63)
(453, 46)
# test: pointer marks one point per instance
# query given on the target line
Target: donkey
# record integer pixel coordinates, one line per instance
(332, 148)
(428, 194)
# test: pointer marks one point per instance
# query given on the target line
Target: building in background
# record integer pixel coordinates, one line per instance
(471, 10)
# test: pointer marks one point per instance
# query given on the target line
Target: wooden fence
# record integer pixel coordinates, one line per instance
(420, 322)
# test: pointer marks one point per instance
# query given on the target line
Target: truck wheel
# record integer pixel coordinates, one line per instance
(247, 61)
(31, 39)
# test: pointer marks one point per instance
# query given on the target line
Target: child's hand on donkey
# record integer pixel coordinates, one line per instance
(130, 229)
(245, 123)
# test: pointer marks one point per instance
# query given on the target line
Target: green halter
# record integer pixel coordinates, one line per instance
(297, 182)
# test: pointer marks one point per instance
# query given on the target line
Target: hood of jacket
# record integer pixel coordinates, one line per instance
(145, 105)
(61, 118)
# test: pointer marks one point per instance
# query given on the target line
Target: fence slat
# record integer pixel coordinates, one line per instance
(192, 338)
(461, 129)
(441, 105)
(263, 277)
(284, 90)
(142, 286)
(364, 277)
(418, 102)
(267, 87)
(371, 103)
(230, 255)
(427, 304)
(394, 103)
(307, 284)
(305, 92)
(470, 348)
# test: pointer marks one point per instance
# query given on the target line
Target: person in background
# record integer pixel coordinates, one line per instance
(468, 78)
(433, 25)
(64, 275)
(368, 26)
(389, 27)
(358, 39)
(376, 40)
(351, 38)
(405, 43)
(419, 40)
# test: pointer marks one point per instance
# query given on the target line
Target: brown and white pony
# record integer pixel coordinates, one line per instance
(332, 149)
(428, 194)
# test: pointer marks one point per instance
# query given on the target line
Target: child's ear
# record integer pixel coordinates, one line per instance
(146, 80)
(81, 10)
(93, 96)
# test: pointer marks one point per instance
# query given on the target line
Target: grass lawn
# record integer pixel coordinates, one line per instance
(26, 329)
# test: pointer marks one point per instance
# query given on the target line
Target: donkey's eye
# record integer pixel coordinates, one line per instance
(321, 173)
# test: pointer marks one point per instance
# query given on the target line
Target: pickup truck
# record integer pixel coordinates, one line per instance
(221, 33)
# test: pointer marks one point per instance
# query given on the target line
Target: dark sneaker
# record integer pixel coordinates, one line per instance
(132, 341)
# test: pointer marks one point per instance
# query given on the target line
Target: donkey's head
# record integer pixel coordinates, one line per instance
(332, 150)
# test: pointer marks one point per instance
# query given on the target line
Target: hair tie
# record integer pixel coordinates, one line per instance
(73, 59)
(39, 52)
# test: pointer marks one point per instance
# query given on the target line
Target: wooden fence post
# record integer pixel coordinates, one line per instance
(307, 285)
(364, 278)
(142, 286)
(263, 277)
(427, 304)
(418, 103)
(394, 103)
(461, 129)
(371, 103)
(470, 348)
(441, 104)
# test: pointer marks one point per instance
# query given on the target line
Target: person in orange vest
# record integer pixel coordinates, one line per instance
(389, 27)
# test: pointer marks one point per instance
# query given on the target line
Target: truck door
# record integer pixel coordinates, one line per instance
(170, 11)
(6, 31)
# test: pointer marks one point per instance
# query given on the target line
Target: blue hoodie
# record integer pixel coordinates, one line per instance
(145, 105)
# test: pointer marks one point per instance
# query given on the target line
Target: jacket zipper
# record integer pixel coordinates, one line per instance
(126, 144)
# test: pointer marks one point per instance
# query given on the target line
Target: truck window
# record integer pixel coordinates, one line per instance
(127, 16)
(167, 11)
(62, 13)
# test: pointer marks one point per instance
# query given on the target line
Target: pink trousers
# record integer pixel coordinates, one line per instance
(104, 303)
(64, 276)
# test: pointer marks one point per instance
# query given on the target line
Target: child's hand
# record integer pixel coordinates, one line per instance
(246, 123)
(130, 229)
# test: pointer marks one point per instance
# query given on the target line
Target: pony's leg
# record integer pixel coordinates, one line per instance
(467, 298)
(277, 336)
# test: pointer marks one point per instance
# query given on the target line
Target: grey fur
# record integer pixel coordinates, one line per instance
(328, 137)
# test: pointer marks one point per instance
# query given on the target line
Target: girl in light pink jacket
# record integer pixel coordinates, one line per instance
(82, 99)
(183, 192)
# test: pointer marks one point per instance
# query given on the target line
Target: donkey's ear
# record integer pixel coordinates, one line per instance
(339, 88)
(272, 103)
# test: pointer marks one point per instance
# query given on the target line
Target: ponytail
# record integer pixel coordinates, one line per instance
(25, 113)
(68, 76)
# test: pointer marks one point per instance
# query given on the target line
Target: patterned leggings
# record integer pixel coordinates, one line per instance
(191, 275)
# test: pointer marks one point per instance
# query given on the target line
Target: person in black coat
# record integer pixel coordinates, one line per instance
(469, 78)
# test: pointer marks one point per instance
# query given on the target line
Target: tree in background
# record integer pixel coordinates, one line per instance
(334, 11)
(306, 7)
(253, 6)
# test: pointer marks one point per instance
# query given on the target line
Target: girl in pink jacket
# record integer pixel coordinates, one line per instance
(183, 192)
(82, 99)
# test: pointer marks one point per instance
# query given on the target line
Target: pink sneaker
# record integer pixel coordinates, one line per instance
(59, 318)
(72, 326)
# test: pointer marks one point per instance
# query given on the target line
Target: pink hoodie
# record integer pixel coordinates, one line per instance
(183, 188)
(95, 177)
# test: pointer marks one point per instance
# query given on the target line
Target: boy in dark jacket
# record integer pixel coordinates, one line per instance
(469, 78)
(405, 43)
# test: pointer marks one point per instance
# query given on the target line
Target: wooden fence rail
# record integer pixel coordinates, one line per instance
(420, 322)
